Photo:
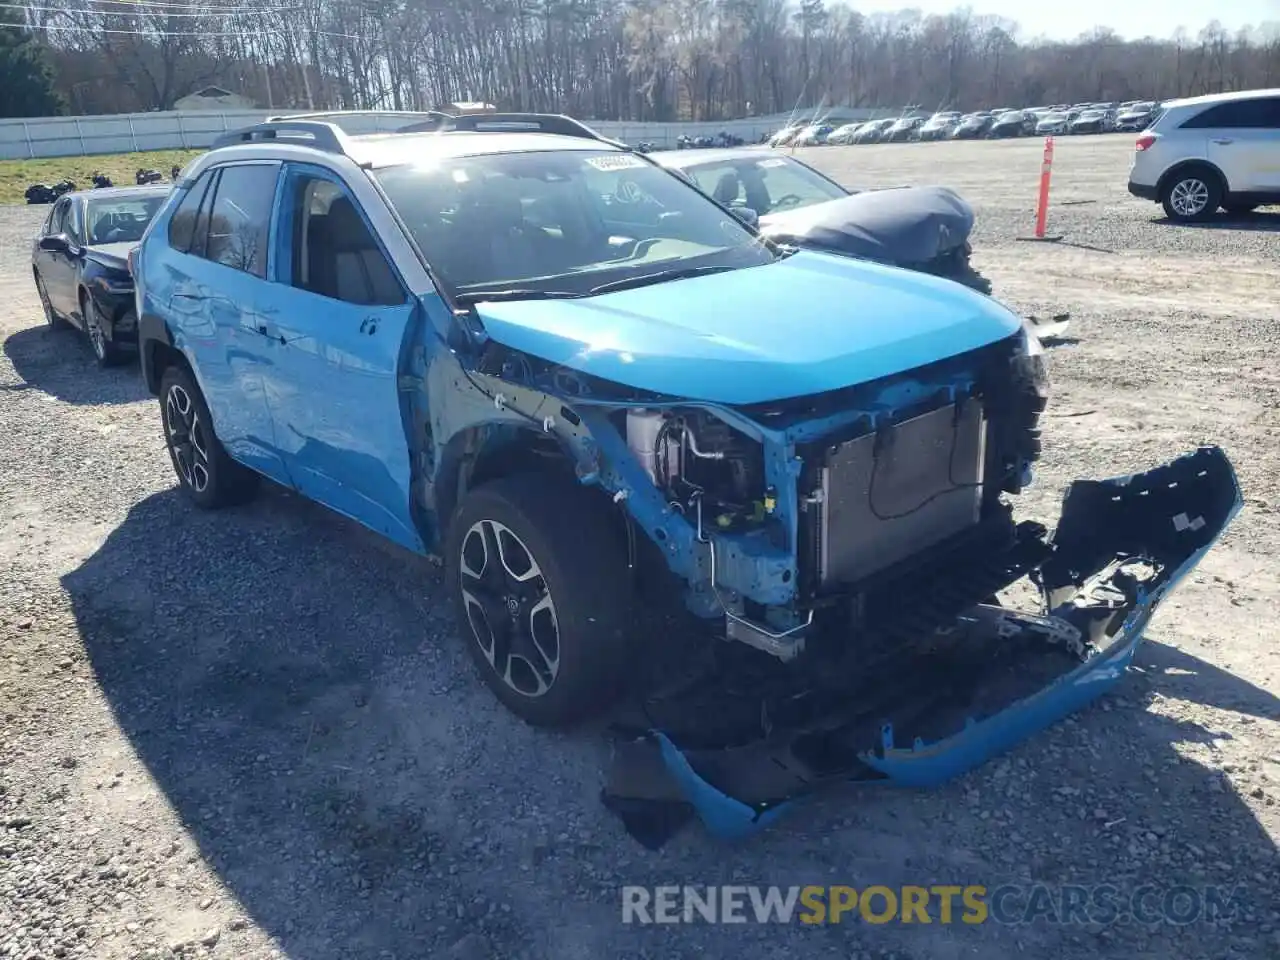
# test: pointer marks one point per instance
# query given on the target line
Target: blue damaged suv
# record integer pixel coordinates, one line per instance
(534, 352)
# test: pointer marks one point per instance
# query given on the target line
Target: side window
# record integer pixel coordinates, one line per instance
(183, 222)
(75, 222)
(240, 217)
(1270, 113)
(1236, 115)
(332, 252)
(58, 219)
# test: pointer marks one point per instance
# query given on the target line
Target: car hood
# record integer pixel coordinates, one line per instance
(802, 325)
(901, 225)
(111, 254)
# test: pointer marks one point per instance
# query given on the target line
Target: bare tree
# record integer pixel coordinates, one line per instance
(614, 59)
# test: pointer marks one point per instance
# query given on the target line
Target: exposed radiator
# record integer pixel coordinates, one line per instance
(889, 495)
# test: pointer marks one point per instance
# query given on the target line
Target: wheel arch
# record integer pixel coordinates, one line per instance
(484, 452)
(156, 351)
(1183, 166)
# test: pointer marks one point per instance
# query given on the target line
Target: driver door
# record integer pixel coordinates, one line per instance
(336, 320)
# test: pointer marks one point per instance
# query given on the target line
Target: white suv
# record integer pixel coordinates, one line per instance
(1208, 152)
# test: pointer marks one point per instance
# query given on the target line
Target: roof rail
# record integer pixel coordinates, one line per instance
(556, 123)
(312, 133)
(378, 117)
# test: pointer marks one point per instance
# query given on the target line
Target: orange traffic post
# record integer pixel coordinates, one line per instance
(1042, 205)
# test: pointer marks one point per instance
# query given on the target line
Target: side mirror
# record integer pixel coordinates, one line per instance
(747, 215)
(59, 243)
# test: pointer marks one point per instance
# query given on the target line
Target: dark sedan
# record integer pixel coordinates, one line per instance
(1013, 123)
(80, 262)
(1135, 118)
(971, 127)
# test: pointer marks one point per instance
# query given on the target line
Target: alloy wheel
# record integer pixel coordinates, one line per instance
(185, 433)
(1189, 197)
(93, 326)
(509, 608)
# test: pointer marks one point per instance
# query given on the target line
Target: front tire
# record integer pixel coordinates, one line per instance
(539, 578)
(1191, 195)
(105, 352)
(207, 475)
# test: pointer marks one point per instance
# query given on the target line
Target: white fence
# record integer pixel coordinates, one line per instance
(173, 130)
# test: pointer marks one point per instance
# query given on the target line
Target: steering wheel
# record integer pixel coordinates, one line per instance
(787, 200)
(628, 192)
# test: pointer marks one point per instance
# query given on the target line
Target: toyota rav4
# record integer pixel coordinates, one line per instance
(541, 356)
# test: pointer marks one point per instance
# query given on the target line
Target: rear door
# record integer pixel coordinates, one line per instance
(337, 317)
(57, 269)
(1242, 138)
(216, 265)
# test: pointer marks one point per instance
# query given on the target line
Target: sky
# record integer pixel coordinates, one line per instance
(1066, 19)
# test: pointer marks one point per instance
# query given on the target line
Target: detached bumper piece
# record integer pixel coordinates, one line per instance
(736, 746)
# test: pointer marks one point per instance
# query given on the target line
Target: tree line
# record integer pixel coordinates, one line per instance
(598, 59)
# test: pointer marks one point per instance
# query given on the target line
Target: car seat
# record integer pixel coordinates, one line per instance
(727, 188)
(343, 260)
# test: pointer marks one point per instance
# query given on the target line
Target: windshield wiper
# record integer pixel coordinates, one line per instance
(660, 276)
(477, 296)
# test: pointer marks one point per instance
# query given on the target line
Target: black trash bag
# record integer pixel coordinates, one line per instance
(64, 186)
(40, 193)
(101, 180)
(148, 176)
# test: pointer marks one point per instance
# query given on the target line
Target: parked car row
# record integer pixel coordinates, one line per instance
(588, 386)
(983, 124)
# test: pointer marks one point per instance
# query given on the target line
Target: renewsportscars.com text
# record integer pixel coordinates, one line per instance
(938, 903)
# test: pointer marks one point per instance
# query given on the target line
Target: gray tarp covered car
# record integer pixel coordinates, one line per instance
(920, 228)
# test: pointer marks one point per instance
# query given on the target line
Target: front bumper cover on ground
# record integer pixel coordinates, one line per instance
(1121, 546)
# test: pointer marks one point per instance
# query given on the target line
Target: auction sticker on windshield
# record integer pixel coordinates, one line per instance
(615, 161)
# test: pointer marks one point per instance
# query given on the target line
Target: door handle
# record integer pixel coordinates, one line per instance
(1222, 141)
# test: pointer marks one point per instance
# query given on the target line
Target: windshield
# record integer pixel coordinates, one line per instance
(120, 219)
(1011, 117)
(765, 184)
(561, 222)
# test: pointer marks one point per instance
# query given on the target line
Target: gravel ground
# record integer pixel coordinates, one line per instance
(255, 734)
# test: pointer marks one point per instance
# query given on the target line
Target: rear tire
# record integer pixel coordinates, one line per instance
(51, 318)
(1190, 195)
(539, 577)
(207, 475)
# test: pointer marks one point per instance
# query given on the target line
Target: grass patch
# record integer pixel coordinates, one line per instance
(17, 175)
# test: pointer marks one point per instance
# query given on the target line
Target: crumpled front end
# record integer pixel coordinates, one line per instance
(736, 745)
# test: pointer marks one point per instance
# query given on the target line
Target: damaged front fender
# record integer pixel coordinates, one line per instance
(966, 694)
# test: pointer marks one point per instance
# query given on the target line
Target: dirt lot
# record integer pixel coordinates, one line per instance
(255, 734)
